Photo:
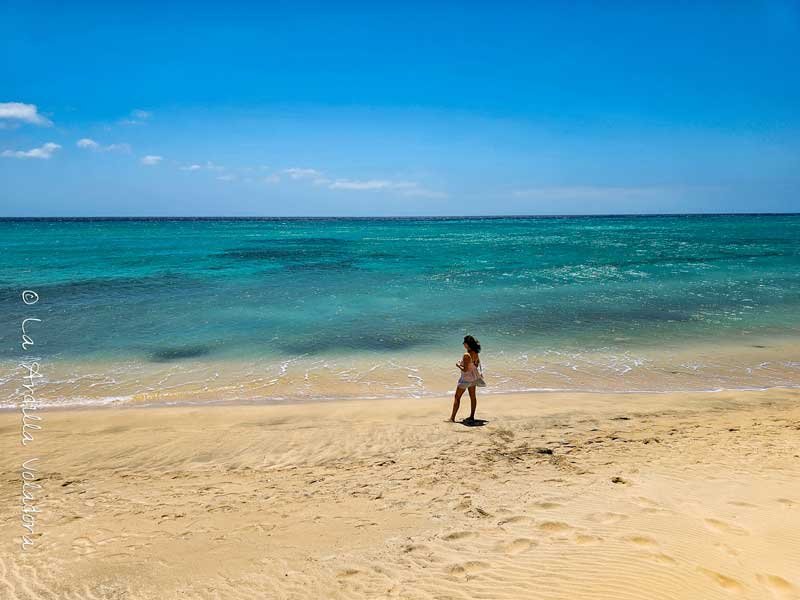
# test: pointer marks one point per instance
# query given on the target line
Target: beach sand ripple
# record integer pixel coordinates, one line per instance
(689, 496)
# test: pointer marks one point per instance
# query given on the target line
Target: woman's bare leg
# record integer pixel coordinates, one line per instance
(473, 401)
(456, 402)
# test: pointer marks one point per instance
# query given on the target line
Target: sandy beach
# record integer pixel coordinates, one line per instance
(556, 496)
(250, 252)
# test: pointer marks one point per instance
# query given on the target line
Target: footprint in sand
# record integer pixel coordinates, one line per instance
(742, 504)
(515, 547)
(516, 520)
(347, 573)
(779, 587)
(723, 527)
(458, 535)
(555, 527)
(727, 549)
(546, 505)
(606, 518)
(83, 546)
(465, 569)
(123, 556)
(651, 507)
(584, 539)
(644, 501)
(641, 540)
(415, 549)
(727, 583)
(505, 434)
(664, 559)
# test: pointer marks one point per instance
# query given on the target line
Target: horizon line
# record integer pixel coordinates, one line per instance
(388, 217)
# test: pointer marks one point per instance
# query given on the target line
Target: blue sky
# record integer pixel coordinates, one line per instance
(406, 109)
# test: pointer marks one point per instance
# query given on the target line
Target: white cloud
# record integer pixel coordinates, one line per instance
(87, 143)
(137, 117)
(44, 151)
(403, 188)
(151, 160)
(372, 184)
(90, 144)
(198, 167)
(317, 178)
(27, 113)
(297, 173)
(348, 184)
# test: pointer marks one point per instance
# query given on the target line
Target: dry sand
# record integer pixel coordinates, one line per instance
(557, 496)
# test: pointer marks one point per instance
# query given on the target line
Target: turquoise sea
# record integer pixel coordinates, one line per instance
(173, 310)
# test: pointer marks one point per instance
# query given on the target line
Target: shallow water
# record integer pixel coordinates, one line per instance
(266, 310)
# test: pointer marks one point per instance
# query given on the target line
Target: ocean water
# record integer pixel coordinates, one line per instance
(152, 310)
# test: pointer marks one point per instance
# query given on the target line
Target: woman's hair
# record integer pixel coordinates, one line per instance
(472, 343)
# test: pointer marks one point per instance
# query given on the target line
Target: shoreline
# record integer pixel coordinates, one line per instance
(700, 368)
(303, 401)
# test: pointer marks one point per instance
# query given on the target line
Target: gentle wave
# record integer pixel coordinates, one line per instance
(308, 378)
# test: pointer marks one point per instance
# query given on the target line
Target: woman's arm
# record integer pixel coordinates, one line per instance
(466, 361)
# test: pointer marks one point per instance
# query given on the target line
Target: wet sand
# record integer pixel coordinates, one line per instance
(697, 367)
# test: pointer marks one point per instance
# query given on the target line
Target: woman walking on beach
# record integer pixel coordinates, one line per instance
(470, 367)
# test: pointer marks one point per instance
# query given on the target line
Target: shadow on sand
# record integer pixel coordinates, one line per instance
(474, 422)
